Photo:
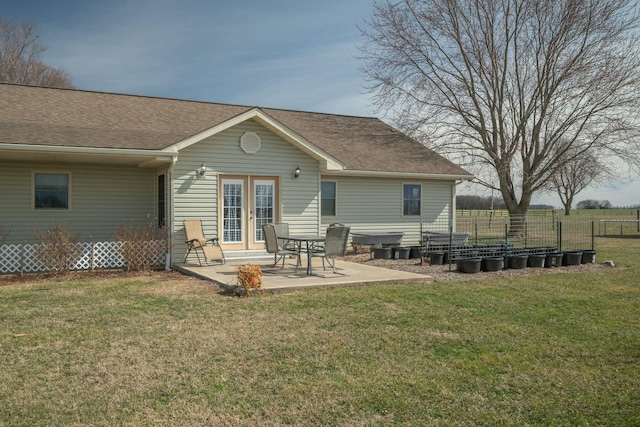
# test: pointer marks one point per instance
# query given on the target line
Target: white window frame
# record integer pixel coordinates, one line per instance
(420, 200)
(335, 200)
(69, 190)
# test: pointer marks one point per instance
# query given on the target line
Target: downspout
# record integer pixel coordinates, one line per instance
(453, 205)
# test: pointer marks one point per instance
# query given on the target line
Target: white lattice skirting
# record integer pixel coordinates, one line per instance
(23, 258)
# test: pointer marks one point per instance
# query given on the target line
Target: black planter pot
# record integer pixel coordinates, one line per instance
(492, 264)
(436, 258)
(415, 252)
(382, 253)
(572, 258)
(469, 265)
(518, 261)
(588, 257)
(553, 260)
(401, 252)
(536, 260)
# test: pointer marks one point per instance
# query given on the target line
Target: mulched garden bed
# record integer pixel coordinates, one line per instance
(441, 273)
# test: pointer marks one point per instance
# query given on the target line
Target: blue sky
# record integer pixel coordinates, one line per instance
(282, 53)
(293, 54)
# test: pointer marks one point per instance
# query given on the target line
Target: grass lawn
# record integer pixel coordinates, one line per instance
(560, 349)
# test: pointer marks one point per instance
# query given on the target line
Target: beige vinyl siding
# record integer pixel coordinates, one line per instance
(103, 198)
(375, 204)
(197, 197)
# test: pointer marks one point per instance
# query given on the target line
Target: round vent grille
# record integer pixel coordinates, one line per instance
(250, 142)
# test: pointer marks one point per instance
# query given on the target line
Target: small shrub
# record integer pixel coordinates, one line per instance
(142, 246)
(249, 278)
(4, 233)
(58, 250)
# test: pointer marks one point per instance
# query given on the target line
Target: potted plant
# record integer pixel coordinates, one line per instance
(250, 278)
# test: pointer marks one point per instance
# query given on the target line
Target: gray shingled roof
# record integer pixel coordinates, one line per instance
(75, 118)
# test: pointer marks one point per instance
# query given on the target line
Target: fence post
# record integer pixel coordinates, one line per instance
(450, 245)
(638, 218)
(506, 244)
(559, 237)
(593, 238)
(475, 223)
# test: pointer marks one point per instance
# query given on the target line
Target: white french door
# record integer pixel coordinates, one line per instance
(264, 209)
(246, 203)
(233, 211)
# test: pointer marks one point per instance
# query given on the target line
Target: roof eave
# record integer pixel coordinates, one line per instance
(137, 157)
(404, 175)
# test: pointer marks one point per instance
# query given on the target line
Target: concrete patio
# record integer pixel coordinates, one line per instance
(278, 278)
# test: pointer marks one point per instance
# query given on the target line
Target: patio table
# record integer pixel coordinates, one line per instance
(308, 241)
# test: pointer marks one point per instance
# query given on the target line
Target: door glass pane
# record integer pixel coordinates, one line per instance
(264, 206)
(232, 211)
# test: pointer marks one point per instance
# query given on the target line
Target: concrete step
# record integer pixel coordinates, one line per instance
(252, 255)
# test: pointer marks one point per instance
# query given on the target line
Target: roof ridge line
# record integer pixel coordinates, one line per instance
(100, 92)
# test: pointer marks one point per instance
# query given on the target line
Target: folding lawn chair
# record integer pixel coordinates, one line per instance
(210, 248)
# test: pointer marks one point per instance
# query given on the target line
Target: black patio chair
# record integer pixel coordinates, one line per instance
(280, 248)
(334, 245)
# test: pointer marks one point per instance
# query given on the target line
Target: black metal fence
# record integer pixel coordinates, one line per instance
(507, 236)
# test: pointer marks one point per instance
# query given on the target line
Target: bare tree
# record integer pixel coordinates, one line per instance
(508, 87)
(20, 55)
(575, 175)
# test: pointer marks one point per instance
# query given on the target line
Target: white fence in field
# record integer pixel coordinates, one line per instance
(23, 258)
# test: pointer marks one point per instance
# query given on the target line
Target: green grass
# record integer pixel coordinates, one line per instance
(560, 349)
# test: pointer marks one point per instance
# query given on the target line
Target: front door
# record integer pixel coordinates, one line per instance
(246, 203)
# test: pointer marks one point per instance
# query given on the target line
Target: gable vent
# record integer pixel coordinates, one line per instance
(250, 142)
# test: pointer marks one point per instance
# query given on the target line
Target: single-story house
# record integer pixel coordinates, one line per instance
(97, 160)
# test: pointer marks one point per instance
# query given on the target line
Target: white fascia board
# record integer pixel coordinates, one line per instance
(165, 154)
(212, 131)
(403, 175)
(329, 162)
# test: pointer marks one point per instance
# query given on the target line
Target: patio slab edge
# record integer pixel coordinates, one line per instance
(391, 277)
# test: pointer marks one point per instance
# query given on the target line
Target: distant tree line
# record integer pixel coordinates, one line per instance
(594, 204)
(473, 202)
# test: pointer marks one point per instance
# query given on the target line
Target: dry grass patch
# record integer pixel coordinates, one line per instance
(559, 349)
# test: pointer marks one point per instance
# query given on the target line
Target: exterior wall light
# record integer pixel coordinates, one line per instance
(296, 172)
(202, 170)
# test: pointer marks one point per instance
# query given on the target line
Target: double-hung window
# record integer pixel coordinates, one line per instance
(51, 190)
(328, 198)
(411, 199)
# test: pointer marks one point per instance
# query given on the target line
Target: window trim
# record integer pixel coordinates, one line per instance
(335, 199)
(419, 214)
(51, 172)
